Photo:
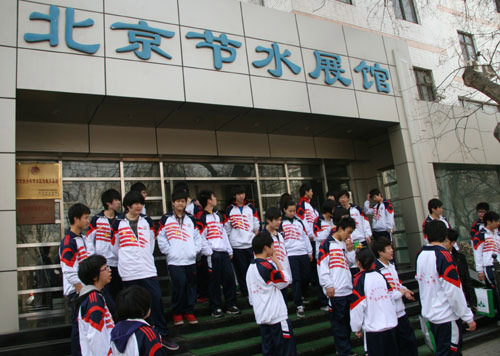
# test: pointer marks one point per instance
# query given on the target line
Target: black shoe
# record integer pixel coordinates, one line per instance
(169, 345)
(234, 310)
(218, 313)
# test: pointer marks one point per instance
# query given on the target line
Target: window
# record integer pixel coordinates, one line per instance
(475, 104)
(425, 84)
(497, 3)
(467, 45)
(457, 184)
(405, 10)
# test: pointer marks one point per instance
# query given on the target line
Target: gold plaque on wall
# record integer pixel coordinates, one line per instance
(38, 181)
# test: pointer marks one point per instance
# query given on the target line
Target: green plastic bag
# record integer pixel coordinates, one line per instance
(425, 326)
(485, 305)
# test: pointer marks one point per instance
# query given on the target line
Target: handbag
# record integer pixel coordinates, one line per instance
(485, 305)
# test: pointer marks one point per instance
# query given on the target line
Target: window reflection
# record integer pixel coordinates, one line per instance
(334, 169)
(335, 186)
(28, 234)
(37, 256)
(273, 186)
(141, 169)
(461, 188)
(270, 202)
(271, 170)
(40, 278)
(389, 176)
(296, 170)
(88, 193)
(90, 169)
(208, 170)
(153, 187)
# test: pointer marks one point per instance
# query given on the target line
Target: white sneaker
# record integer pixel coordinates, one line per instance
(325, 308)
(300, 312)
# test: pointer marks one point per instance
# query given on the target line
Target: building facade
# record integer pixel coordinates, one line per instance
(219, 93)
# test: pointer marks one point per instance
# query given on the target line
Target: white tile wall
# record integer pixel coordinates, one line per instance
(216, 15)
(7, 72)
(8, 23)
(144, 80)
(155, 10)
(9, 321)
(279, 94)
(8, 178)
(208, 86)
(269, 24)
(7, 125)
(63, 72)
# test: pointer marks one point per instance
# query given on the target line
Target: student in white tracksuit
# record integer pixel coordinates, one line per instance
(373, 308)
(134, 238)
(241, 222)
(299, 251)
(382, 214)
(265, 280)
(179, 240)
(216, 246)
(441, 296)
(362, 234)
(336, 280)
(323, 227)
(382, 250)
(94, 319)
(72, 252)
(273, 223)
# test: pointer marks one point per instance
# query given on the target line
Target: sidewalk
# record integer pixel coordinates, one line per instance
(489, 348)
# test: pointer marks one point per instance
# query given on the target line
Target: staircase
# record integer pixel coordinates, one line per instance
(238, 334)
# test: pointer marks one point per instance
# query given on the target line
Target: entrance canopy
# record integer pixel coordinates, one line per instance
(84, 109)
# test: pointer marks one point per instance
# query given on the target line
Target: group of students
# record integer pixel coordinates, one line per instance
(371, 300)
(126, 243)
(283, 252)
(121, 269)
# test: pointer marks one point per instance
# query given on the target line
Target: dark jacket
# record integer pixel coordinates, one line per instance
(463, 272)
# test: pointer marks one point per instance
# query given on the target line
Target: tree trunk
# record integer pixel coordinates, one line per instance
(482, 83)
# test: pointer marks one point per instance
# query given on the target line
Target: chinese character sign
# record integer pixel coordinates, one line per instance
(143, 34)
(224, 44)
(331, 65)
(144, 39)
(53, 37)
(380, 75)
(279, 59)
(53, 19)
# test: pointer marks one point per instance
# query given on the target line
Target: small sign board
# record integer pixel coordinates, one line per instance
(35, 211)
(38, 181)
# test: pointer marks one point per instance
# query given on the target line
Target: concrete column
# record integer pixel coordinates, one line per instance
(409, 192)
(8, 263)
(410, 152)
